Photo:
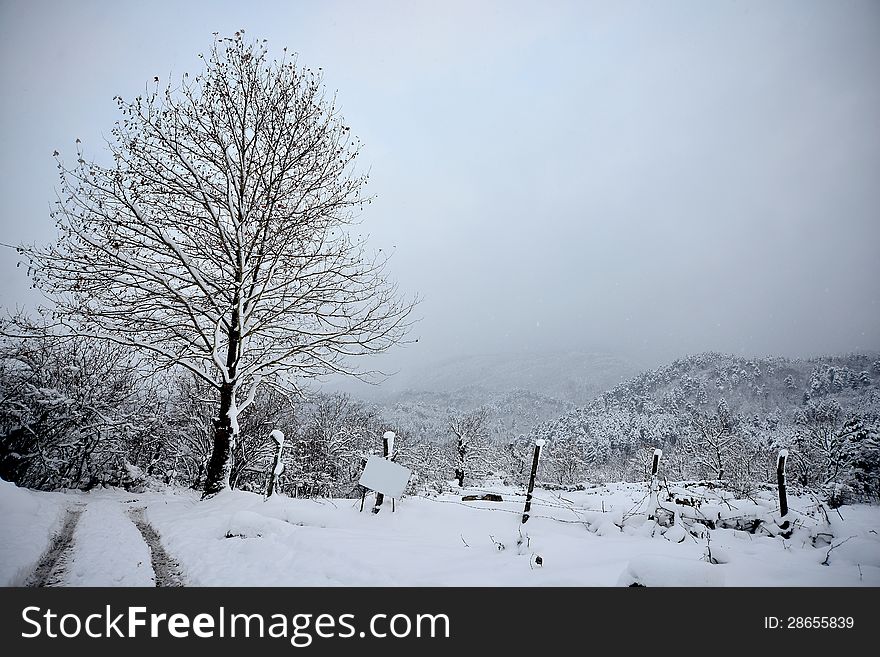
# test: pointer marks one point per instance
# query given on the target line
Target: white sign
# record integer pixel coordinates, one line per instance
(384, 476)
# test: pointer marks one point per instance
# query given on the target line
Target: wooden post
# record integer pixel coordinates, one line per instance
(780, 479)
(277, 464)
(655, 490)
(364, 491)
(388, 441)
(538, 445)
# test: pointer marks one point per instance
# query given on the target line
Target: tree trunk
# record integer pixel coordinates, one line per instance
(220, 464)
(151, 468)
(199, 474)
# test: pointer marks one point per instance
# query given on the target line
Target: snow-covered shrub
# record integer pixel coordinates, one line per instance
(72, 411)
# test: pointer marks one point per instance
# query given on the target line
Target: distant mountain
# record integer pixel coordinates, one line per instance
(513, 413)
(716, 412)
(748, 385)
(573, 377)
(519, 390)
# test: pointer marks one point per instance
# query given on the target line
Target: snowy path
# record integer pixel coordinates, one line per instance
(107, 549)
(99, 538)
(166, 569)
(50, 570)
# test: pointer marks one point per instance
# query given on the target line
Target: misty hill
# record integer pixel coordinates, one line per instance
(749, 386)
(572, 377)
(520, 391)
(751, 407)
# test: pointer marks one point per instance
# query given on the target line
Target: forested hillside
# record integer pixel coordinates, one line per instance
(720, 416)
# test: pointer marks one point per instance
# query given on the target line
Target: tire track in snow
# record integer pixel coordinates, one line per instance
(165, 567)
(51, 567)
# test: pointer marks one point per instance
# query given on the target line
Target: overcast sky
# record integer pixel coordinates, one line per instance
(646, 179)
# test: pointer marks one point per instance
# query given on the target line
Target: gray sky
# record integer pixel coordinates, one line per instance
(647, 179)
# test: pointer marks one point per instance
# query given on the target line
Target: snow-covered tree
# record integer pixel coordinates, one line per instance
(714, 440)
(836, 451)
(217, 238)
(335, 433)
(865, 458)
(470, 447)
(566, 459)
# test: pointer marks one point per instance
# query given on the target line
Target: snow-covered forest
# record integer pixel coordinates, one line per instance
(76, 414)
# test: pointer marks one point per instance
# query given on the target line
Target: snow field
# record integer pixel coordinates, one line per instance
(29, 522)
(601, 536)
(238, 539)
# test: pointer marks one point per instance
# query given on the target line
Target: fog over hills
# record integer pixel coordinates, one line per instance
(568, 376)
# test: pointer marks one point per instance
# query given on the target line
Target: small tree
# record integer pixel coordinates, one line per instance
(567, 459)
(714, 441)
(865, 464)
(216, 240)
(820, 448)
(470, 447)
(336, 434)
(835, 452)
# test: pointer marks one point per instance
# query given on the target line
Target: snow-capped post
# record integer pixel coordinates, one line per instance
(388, 440)
(780, 479)
(387, 446)
(277, 464)
(539, 443)
(655, 489)
(364, 489)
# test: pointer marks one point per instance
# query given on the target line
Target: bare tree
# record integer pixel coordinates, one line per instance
(715, 440)
(218, 240)
(189, 425)
(567, 459)
(833, 450)
(337, 433)
(471, 445)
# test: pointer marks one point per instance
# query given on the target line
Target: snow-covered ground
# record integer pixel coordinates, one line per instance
(105, 535)
(601, 536)
(28, 522)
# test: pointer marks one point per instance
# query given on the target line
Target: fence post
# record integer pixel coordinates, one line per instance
(277, 464)
(780, 479)
(655, 464)
(538, 445)
(387, 446)
(655, 490)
